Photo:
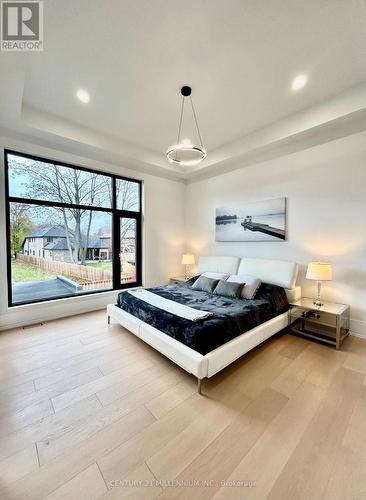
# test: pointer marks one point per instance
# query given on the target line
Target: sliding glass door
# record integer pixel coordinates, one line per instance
(129, 250)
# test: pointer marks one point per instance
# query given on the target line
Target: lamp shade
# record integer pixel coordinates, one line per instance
(188, 259)
(321, 271)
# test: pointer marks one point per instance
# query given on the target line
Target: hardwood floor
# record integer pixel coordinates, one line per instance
(89, 411)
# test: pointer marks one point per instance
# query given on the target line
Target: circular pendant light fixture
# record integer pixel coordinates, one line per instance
(185, 153)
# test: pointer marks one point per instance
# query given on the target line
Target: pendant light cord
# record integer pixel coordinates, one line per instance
(180, 120)
(180, 125)
(195, 119)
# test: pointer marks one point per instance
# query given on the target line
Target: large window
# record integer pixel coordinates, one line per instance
(70, 230)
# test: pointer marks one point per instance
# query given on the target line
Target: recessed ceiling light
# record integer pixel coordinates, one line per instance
(299, 82)
(83, 96)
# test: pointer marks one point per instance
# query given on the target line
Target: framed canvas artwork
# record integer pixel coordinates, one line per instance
(258, 221)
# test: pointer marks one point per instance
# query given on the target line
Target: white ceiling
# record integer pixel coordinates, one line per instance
(239, 56)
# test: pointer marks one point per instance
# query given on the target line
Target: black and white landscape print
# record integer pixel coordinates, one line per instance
(260, 221)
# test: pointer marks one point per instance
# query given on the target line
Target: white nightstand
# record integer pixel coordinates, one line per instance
(328, 323)
(179, 279)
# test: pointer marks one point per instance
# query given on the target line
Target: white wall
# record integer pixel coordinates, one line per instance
(325, 188)
(163, 235)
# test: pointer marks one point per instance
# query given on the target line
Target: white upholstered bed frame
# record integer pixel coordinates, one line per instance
(277, 272)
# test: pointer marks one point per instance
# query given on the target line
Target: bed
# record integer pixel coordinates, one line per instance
(234, 326)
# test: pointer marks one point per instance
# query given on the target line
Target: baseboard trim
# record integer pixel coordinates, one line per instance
(358, 335)
(45, 319)
(358, 328)
(30, 314)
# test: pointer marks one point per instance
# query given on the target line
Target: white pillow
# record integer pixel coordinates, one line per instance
(251, 284)
(216, 276)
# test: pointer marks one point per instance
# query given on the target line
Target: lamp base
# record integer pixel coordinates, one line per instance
(188, 272)
(317, 302)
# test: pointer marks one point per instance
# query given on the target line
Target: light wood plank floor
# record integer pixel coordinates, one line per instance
(89, 411)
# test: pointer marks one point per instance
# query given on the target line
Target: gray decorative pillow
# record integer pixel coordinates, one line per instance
(251, 284)
(204, 284)
(228, 289)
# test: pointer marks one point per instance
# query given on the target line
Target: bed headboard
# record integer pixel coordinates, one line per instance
(218, 264)
(278, 272)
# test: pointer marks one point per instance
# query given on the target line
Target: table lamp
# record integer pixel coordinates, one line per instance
(188, 260)
(319, 271)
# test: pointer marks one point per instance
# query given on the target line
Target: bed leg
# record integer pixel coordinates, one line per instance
(109, 320)
(199, 386)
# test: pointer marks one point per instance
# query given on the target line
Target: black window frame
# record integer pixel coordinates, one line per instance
(113, 210)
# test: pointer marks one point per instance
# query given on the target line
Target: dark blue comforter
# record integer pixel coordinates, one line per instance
(231, 317)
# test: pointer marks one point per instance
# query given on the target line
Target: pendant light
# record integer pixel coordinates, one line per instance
(186, 153)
